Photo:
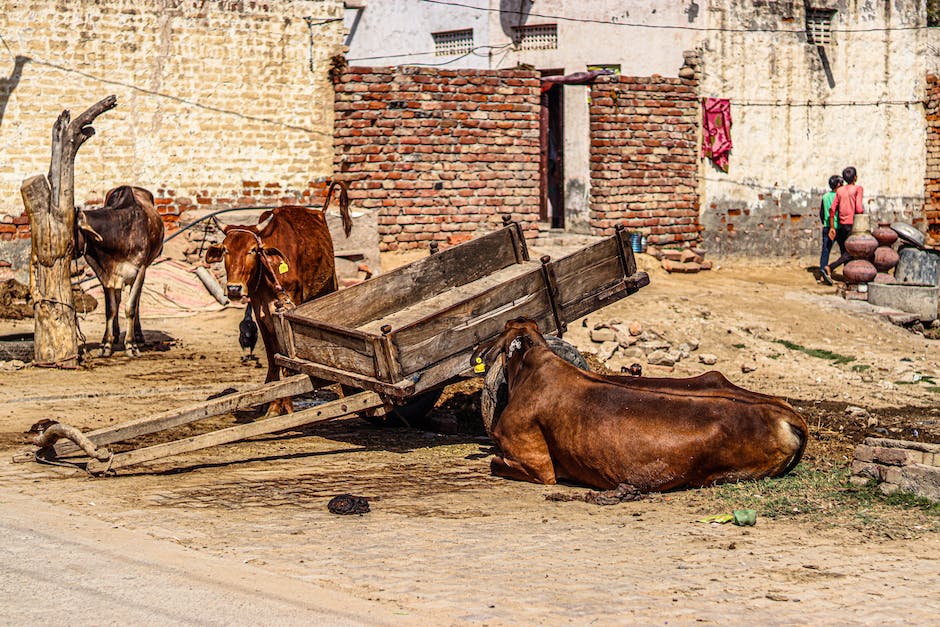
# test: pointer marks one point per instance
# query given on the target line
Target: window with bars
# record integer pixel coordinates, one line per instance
(819, 26)
(537, 37)
(453, 42)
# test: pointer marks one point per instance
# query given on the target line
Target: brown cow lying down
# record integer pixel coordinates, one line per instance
(654, 434)
(287, 262)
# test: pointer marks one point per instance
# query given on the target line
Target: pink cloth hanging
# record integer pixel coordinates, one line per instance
(716, 140)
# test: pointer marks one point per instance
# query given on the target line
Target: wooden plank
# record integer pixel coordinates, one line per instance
(285, 335)
(581, 307)
(332, 334)
(401, 389)
(591, 279)
(573, 265)
(327, 411)
(386, 359)
(431, 307)
(299, 384)
(459, 314)
(626, 251)
(329, 354)
(518, 243)
(420, 355)
(415, 282)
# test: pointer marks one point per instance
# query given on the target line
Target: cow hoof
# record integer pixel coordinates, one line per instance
(106, 350)
(132, 351)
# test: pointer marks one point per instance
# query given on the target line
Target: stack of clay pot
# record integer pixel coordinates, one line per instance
(873, 256)
(861, 244)
(885, 256)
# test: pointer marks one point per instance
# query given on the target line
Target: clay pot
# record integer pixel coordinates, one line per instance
(885, 258)
(860, 245)
(885, 234)
(859, 271)
(861, 224)
(882, 277)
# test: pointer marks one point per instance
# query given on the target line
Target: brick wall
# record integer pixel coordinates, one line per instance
(932, 176)
(441, 154)
(644, 163)
(217, 99)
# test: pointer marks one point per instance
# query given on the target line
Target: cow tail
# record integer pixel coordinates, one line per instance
(799, 430)
(343, 204)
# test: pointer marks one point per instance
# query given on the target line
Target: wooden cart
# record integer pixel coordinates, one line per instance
(402, 335)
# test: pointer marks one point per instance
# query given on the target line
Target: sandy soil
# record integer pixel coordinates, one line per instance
(446, 539)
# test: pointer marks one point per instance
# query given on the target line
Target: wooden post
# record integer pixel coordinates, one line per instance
(50, 204)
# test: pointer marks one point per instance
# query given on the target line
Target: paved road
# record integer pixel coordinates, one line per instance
(58, 567)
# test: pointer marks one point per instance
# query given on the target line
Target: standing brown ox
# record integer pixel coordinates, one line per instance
(119, 242)
(287, 262)
(654, 434)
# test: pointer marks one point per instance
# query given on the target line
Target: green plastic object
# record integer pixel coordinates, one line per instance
(745, 517)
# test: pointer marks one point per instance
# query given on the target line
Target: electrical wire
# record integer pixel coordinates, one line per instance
(463, 56)
(431, 53)
(586, 20)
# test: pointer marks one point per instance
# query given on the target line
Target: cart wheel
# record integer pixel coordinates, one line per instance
(495, 394)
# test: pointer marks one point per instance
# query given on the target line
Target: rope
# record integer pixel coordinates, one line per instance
(72, 465)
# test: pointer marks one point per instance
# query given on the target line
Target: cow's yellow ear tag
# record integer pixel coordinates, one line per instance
(283, 267)
(479, 367)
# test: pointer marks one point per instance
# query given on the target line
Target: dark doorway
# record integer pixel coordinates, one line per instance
(552, 155)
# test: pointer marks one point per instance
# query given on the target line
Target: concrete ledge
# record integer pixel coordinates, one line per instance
(920, 300)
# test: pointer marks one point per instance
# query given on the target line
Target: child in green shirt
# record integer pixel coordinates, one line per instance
(835, 181)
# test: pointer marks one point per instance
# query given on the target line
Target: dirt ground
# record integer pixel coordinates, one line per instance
(448, 541)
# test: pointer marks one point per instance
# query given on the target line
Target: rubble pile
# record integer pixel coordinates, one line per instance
(686, 260)
(632, 343)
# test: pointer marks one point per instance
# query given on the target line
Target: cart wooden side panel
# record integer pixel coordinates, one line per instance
(418, 281)
(443, 333)
(596, 276)
(346, 349)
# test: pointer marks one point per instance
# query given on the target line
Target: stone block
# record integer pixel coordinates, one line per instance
(915, 299)
(888, 488)
(607, 350)
(603, 335)
(864, 453)
(672, 254)
(661, 358)
(921, 480)
(892, 474)
(896, 456)
(864, 469)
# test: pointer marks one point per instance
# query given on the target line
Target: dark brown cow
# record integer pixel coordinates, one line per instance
(654, 434)
(119, 242)
(287, 262)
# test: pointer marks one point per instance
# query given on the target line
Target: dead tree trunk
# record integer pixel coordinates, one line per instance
(50, 204)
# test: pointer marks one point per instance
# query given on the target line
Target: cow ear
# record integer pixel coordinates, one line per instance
(487, 351)
(87, 228)
(273, 252)
(215, 253)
